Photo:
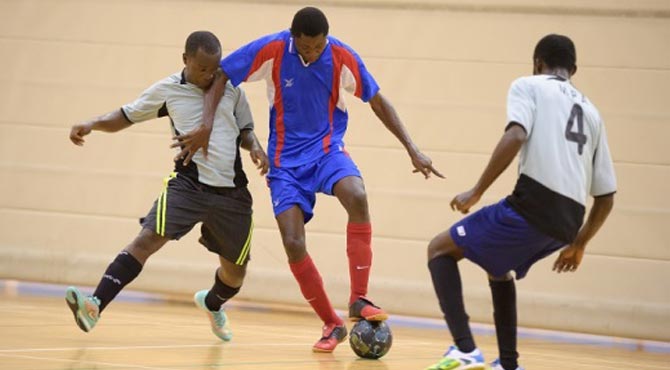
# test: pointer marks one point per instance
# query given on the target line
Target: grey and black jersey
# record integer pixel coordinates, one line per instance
(565, 158)
(183, 103)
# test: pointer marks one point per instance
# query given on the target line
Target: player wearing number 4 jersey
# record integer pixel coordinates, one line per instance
(563, 157)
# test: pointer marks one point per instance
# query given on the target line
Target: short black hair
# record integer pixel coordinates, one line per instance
(556, 51)
(310, 22)
(204, 40)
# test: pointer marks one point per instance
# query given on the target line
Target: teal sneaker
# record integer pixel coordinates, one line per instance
(86, 310)
(218, 319)
(456, 360)
(495, 365)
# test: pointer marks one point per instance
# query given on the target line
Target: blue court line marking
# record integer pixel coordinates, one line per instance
(55, 290)
(50, 290)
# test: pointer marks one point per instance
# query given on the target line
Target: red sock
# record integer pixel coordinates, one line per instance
(359, 251)
(311, 286)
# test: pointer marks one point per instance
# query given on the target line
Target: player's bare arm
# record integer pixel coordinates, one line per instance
(389, 117)
(571, 256)
(192, 141)
(256, 152)
(111, 122)
(508, 147)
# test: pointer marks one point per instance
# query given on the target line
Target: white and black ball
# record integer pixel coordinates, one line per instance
(370, 339)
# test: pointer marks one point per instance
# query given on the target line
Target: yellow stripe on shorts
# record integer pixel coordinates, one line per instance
(247, 246)
(159, 213)
(161, 207)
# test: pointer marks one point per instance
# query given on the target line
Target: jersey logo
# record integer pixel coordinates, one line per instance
(460, 230)
(288, 82)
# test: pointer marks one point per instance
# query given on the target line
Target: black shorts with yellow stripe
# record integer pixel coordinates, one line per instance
(225, 213)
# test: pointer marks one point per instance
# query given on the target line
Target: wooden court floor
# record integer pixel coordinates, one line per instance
(37, 332)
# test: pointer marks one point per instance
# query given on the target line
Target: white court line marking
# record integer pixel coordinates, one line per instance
(111, 364)
(125, 348)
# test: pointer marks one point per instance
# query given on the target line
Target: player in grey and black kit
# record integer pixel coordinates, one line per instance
(564, 158)
(211, 189)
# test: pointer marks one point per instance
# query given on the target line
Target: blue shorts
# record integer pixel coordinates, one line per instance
(299, 185)
(499, 240)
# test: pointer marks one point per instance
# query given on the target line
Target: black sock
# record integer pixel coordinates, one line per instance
(447, 283)
(119, 273)
(504, 315)
(219, 294)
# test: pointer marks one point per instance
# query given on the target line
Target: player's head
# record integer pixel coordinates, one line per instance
(309, 30)
(554, 52)
(202, 54)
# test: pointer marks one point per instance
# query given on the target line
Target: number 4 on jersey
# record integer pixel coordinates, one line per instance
(578, 136)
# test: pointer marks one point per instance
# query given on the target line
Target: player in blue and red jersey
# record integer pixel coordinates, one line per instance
(306, 71)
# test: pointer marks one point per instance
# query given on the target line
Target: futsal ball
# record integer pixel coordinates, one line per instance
(370, 339)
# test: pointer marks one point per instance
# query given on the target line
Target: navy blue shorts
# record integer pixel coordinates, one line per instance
(299, 185)
(499, 240)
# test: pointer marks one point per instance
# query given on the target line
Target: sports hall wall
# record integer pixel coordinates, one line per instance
(66, 211)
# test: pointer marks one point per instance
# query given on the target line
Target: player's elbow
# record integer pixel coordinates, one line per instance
(604, 202)
(516, 134)
(602, 206)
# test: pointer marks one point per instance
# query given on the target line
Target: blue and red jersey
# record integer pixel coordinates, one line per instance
(308, 116)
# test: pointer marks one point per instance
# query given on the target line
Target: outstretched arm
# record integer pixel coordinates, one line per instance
(389, 117)
(571, 256)
(111, 122)
(250, 142)
(199, 137)
(504, 153)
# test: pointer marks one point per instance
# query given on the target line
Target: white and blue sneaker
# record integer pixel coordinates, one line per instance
(218, 319)
(86, 310)
(456, 360)
(495, 365)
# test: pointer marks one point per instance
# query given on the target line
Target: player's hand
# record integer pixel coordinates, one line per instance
(191, 142)
(463, 201)
(569, 259)
(78, 132)
(424, 165)
(260, 159)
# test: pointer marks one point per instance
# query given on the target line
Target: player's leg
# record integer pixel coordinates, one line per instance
(338, 175)
(499, 240)
(124, 269)
(522, 245)
(292, 229)
(443, 257)
(228, 280)
(503, 293)
(173, 215)
(128, 265)
(293, 199)
(226, 231)
(350, 191)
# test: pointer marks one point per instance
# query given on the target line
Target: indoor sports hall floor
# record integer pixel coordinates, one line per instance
(140, 331)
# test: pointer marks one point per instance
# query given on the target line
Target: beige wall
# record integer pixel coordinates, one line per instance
(66, 211)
